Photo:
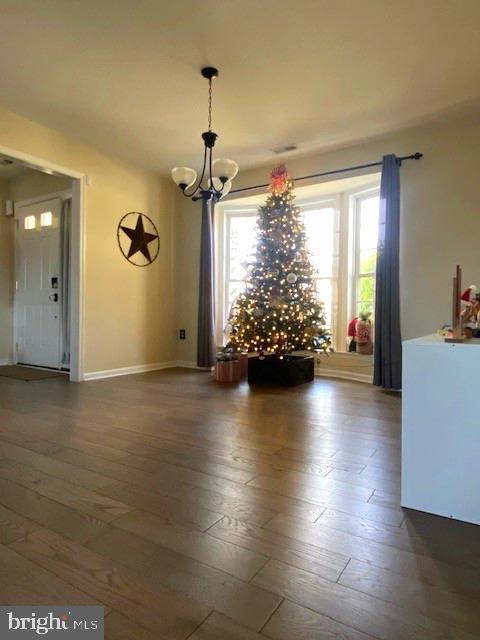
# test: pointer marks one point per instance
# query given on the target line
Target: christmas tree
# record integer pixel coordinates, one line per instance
(279, 311)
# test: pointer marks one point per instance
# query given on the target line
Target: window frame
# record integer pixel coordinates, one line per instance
(356, 199)
(346, 253)
(331, 200)
(223, 223)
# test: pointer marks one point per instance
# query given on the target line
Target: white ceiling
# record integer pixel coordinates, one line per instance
(123, 75)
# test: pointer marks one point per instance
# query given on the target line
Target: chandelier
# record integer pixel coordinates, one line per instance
(216, 177)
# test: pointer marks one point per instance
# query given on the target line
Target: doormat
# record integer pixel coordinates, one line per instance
(27, 374)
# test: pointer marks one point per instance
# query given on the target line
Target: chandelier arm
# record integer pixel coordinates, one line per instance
(213, 189)
(218, 192)
(199, 183)
(203, 170)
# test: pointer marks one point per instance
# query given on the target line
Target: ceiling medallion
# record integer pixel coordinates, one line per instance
(138, 239)
(216, 177)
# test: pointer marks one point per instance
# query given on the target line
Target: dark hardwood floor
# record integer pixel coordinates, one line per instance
(194, 510)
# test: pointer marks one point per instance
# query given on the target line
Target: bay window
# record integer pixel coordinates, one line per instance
(341, 232)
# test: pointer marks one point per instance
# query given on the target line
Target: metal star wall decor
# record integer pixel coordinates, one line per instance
(138, 239)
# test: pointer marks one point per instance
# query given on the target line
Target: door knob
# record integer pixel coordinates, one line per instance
(53, 297)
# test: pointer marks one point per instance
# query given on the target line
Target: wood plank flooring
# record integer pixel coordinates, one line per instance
(192, 510)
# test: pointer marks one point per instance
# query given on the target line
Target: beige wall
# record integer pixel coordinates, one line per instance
(440, 220)
(35, 184)
(128, 310)
(6, 278)
(187, 251)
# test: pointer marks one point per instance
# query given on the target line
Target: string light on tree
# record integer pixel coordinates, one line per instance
(279, 311)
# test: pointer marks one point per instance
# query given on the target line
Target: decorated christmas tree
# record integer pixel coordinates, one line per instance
(279, 311)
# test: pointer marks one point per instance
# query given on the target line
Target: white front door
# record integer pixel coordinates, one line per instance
(37, 295)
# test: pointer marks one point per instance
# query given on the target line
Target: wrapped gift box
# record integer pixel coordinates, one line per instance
(228, 370)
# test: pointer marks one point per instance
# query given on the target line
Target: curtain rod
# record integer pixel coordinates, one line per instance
(413, 156)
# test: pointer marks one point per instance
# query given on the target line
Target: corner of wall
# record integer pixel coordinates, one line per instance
(186, 274)
(6, 277)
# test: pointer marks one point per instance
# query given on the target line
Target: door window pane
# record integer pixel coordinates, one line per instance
(46, 219)
(29, 222)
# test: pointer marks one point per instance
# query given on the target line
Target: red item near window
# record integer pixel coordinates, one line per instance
(352, 328)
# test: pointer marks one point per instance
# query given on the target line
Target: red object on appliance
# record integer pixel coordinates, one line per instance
(352, 328)
(469, 293)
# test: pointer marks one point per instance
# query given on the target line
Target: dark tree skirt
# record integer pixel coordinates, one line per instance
(288, 372)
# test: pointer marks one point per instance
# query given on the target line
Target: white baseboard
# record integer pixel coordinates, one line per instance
(142, 368)
(186, 364)
(5, 361)
(344, 375)
(126, 371)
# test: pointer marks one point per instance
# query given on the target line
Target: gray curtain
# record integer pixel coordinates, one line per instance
(65, 232)
(206, 304)
(388, 341)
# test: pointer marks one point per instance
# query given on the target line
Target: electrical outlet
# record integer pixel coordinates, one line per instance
(182, 334)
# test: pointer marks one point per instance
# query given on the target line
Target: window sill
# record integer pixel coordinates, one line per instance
(350, 354)
(345, 365)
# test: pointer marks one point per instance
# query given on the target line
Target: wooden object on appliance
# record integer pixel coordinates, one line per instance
(457, 328)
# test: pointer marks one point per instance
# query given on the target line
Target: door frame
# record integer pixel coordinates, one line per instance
(77, 252)
(18, 204)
